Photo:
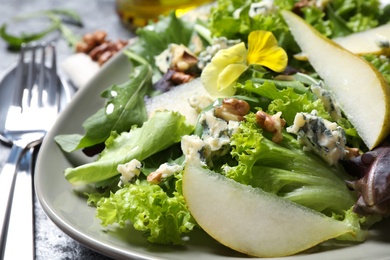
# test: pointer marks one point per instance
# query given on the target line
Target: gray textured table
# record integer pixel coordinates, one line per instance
(51, 242)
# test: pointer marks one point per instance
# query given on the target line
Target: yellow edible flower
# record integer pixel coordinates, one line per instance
(264, 51)
(221, 74)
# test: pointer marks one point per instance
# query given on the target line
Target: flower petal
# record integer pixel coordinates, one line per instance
(235, 54)
(219, 83)
(228, 77)
(264, 51)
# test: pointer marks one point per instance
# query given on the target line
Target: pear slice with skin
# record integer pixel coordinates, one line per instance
(252, 221)
(358, 88)
(372, 41)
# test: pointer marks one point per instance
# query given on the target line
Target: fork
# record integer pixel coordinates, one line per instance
(34, 108)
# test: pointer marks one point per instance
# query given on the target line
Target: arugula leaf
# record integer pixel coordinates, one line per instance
(161, 131)
(15, 42)
(67, 16)
(125, 107)
(57, 18)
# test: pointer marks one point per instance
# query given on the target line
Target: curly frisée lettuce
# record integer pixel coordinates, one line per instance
(150, 209)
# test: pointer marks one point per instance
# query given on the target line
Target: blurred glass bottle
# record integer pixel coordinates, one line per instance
(137, 13)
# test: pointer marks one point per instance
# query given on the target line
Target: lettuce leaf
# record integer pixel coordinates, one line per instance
(359, 15)
(285, 100)
(288, 171)
(149, 208)
(155, 38)
(162, 130)
(124, 108)
(230, 18)
(225, 20)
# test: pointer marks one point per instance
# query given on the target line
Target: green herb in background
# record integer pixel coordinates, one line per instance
(57, 18)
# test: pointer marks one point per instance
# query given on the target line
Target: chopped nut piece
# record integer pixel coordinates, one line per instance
(351, 153)
(98, 50)
(89, 39)
(100, 36)
(232, 109)
(182, 58)
(82, 47)
(105, 56)
(98, 47)
(154, 177)
(273, 124)
(179, 78)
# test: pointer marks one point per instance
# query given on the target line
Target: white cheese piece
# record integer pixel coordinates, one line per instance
(168, 169)
(321, 136)
(191, 145)
(163, 60)
(262, 8)
(129, 170)
(327, 99)
(215, 139)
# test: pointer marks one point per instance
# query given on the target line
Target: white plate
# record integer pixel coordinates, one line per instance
(71, 213)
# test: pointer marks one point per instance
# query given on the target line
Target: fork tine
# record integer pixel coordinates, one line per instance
(41, 77)
(31, 73)
(20, 71)
(53, 97)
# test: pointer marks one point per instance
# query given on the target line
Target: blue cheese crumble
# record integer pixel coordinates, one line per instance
(163, 172)
(325, 96)
(218, 44)
(129, 170)
(215, 139)
(320, 136)
(263, 7)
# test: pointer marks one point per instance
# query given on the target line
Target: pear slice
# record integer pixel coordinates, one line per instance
(251, 220)
(372, 41)
(178, 99)
(359, 89)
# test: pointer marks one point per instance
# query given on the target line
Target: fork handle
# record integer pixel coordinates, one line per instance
(7, 186)
(22, 213)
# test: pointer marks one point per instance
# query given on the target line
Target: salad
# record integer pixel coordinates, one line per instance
(235, 95)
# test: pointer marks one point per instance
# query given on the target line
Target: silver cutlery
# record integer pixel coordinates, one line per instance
(35, 103)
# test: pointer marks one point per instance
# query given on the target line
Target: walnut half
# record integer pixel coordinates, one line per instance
(232, 109)
(273, 124)
(98, 47)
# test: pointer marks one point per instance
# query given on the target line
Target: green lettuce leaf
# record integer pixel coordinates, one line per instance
(230, 18)
(124, 108)
(161, 131)
(163, 218)
(155, 38)
(225, 20)
(288, 171)
(359, 15)
(382, 63)
(285, 100)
